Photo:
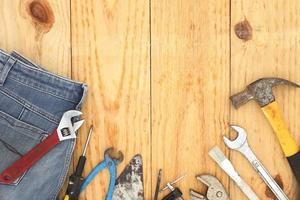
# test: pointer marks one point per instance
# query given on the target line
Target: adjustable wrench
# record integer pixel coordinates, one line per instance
(241, 144)
(65, 130)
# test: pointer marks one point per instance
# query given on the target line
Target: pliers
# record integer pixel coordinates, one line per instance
(215, 191)
(109, 162)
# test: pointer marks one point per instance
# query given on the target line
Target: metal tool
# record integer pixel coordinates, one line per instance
(65, 130)
(175, 193)
(241, 144)
(215, 191)
(130, 183)
(109, 162)
(76, 179)
(261, 92)
(219, 157)
(157, 184)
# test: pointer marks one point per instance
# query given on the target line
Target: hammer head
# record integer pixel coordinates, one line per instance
(260, 90)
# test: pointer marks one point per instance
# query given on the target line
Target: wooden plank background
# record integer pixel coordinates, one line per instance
(160, 73)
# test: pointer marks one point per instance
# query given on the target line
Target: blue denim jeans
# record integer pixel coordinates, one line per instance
(32, 102)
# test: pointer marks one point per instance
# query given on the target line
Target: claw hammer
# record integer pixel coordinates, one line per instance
(261, 91)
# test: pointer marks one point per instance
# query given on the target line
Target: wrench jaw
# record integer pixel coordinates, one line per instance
(196, 195)
(215, 191)
(240, 140)
(66, 129)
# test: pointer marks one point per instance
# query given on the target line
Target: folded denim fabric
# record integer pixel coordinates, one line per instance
(32, 101)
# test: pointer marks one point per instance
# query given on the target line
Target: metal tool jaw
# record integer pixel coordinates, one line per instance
(240, 140)
(66, 128)
(260, 90)
(109, 157)
(215, 191)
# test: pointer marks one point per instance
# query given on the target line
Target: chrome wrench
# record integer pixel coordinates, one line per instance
(241, 144)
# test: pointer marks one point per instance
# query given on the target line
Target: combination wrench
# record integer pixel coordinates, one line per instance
(241, 144)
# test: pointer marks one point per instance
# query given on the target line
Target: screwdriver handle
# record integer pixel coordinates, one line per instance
(80, 166)
(74, 185)
(174, 195)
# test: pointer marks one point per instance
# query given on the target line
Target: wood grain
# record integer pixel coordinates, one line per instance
(190, 87)
(160, 74)
(40, 30)
(110, 52)
(271, 51)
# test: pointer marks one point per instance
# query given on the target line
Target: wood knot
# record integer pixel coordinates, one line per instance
(41, 13)
(269, 193)
(243, 30)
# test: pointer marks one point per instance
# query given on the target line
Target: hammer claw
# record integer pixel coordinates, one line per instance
(261, 91)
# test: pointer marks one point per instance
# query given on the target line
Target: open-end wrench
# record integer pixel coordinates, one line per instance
(65, 130)
(241, 144)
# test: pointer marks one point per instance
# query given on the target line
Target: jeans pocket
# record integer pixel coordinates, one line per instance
(16, 138)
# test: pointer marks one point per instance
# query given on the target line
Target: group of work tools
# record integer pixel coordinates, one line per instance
(215, 189)
(261, 91)
(129, 185)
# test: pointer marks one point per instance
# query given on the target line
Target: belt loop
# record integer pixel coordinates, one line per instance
(5, 70)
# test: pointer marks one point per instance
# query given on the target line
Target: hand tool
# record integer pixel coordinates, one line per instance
(241, 144)
(65, 130)
(157, 184)
(76, 179)
(175, 193)
(129, 184)
(215, 191)
(261, 92)
(219, 157)
(109, 162)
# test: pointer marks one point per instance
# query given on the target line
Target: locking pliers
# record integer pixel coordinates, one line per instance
(215, 191)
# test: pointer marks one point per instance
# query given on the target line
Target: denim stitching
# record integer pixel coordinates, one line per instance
(32, 136)
(40, 89)
(10, 148)
(63, 174)
(49, 73)
(43, 71)
(29, 106)
(21, 113)
(6, 69)
(35, 84)
(19, 123)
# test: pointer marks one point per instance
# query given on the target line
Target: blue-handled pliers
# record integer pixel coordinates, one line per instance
(109, 162)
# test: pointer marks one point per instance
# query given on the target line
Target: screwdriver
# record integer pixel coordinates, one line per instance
(175, 193)
(76, 179)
